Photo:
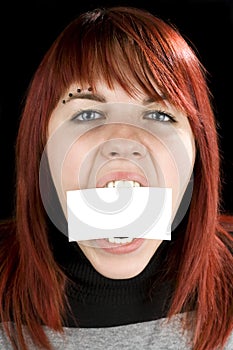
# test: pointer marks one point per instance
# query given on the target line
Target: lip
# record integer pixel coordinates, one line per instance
(122, 175)
(120, 249)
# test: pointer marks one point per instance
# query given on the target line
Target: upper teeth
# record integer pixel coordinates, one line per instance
(123, 183)
(118, 240)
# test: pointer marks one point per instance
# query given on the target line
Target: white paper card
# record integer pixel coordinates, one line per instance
(136, 212)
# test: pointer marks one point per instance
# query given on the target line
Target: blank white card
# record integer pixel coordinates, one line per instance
(135, 212)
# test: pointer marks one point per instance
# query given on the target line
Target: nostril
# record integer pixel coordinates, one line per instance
(113, 154)
(114, 148)
(136, 154)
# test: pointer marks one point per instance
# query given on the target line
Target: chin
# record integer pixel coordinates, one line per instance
(121, 266)
(118, 271)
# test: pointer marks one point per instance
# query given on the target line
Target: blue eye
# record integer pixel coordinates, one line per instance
(159, 116)
(88, 115)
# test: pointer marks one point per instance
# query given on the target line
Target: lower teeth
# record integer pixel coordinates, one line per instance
(120, 240)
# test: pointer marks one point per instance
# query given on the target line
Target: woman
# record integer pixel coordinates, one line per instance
(120, 99)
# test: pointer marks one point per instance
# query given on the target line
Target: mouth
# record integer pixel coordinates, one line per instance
(122, 179)
(131, 245)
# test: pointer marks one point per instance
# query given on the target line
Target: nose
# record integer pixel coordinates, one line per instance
(123, 148)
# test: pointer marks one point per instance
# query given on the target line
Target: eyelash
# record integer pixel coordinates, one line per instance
(87, 112)
(158, 114)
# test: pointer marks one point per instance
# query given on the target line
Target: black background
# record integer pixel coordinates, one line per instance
(28, 29)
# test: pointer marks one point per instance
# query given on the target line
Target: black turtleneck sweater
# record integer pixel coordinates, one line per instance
(103, 302)
(111, 314)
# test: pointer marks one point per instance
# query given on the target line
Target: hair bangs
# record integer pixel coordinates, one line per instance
(104, 55)
(110, 52)
(145, 55)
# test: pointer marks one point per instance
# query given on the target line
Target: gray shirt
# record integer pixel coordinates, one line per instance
(152, 335)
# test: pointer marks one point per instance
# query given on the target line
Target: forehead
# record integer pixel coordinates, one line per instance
(101, 92)
(115, 93)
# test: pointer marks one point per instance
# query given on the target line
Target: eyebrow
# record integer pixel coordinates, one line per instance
(100, 98)
(150, 100)
(87, 96)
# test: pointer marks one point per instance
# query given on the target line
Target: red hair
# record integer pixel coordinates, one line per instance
(123, 45)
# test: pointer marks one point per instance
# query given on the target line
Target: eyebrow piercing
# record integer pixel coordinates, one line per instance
(79, 91)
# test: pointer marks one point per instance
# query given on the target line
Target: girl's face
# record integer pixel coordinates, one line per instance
(98, 138)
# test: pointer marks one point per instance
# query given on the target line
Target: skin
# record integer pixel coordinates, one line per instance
(80, 153)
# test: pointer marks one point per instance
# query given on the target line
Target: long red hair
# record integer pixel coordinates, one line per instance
(123, 45)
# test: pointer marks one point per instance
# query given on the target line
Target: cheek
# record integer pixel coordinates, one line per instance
(166, 167)
(72, 164)
(174, 159)
(79, 160)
